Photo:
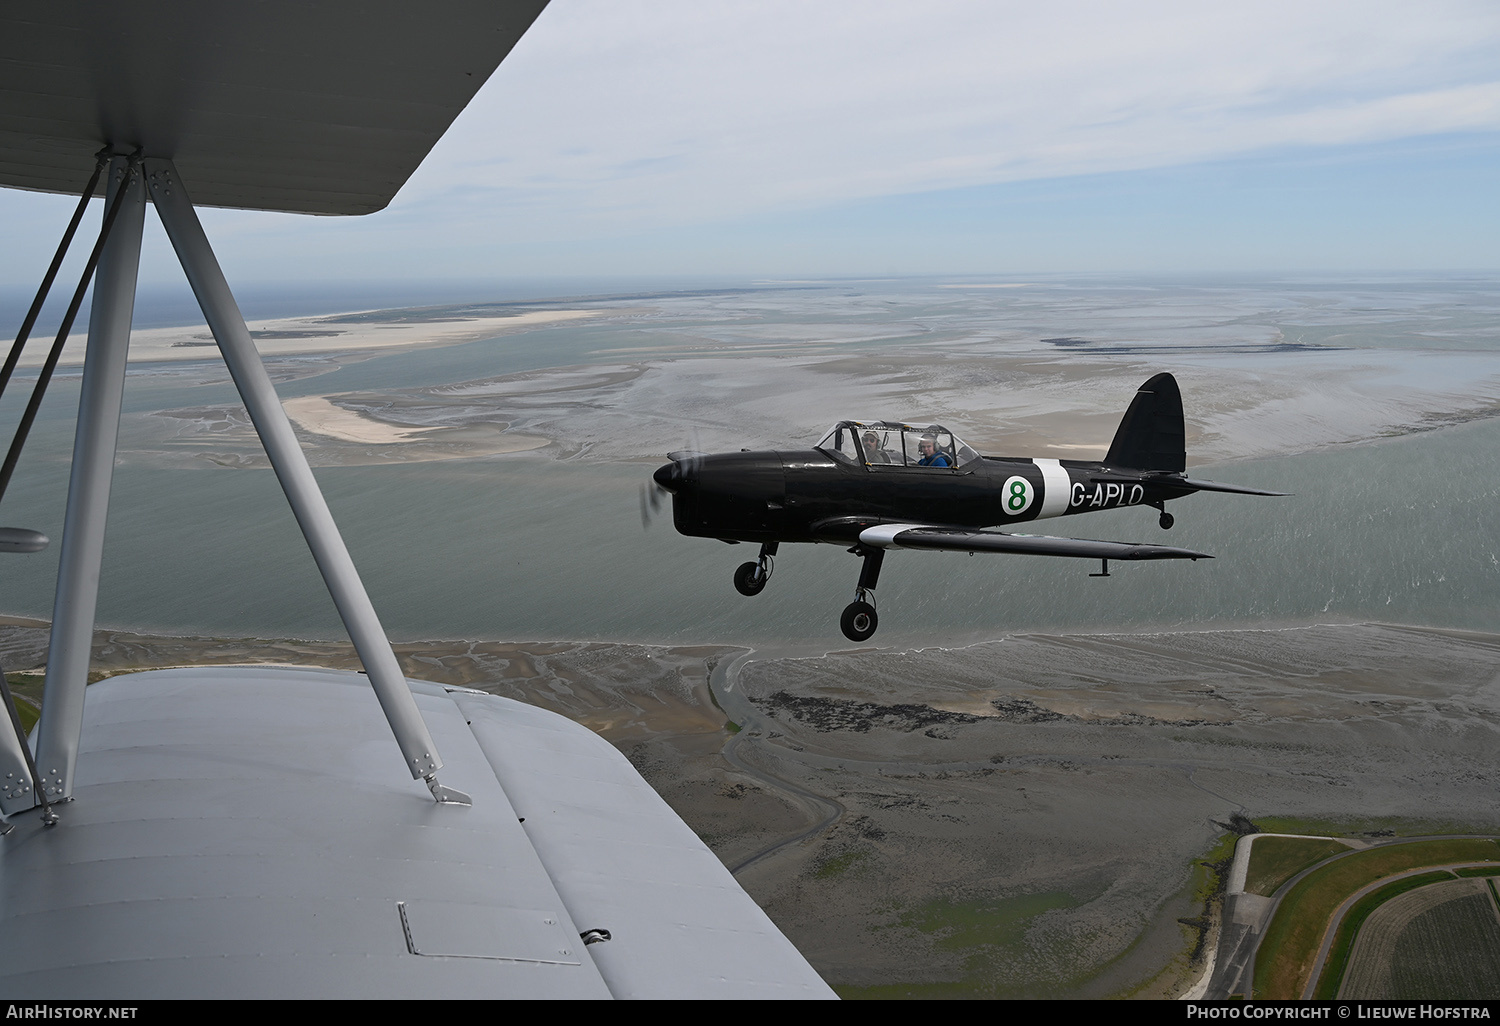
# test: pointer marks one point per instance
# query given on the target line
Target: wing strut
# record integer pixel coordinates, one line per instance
(20, 789)
(82, 547)
(100, 160)
(44, 376)
(259, 395)
(59, 730)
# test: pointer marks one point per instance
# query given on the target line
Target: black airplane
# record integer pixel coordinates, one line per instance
(885, 485)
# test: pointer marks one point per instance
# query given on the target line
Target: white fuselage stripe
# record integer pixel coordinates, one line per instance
(1056, 488)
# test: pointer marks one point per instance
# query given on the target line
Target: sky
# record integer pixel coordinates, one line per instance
(769, 138)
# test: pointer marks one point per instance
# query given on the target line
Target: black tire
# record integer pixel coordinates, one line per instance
(1166, 520)
(748, 579)
(859, 621)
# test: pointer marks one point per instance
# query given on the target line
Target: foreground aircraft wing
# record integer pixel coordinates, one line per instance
(242, 832)
(958, 539)
(318, 108)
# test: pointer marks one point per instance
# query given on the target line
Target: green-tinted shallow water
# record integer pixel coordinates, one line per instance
(529, 547)
(526, 548)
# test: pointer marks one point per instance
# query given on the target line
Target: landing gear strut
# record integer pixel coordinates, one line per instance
(751, 578)
(1166, 520)
(860, 620)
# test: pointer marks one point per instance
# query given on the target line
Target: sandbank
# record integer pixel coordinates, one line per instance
(402, 442)
(331, 435)
(316, 413)
(295, 336)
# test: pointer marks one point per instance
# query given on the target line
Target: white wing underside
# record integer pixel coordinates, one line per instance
(954, 539)
(322, 108)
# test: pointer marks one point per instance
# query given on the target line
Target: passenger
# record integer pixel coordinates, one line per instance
(873, 452)
(930, 455)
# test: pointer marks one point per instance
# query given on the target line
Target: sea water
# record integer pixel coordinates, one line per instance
(1394, 522)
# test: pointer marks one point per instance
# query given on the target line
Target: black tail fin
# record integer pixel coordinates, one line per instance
(1150, 436)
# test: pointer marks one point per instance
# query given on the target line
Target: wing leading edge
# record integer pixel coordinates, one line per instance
(928, 536)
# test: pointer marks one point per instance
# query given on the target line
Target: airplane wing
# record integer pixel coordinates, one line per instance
(236, 833)
(322, 108)
(958, 539)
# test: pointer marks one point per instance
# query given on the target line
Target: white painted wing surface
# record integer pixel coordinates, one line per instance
(244, 832)
(957, 539)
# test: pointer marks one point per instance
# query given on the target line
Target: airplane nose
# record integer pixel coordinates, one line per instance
(669, 477)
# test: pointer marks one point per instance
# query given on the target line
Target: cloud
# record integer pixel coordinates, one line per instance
(686, 136)
(613, 115)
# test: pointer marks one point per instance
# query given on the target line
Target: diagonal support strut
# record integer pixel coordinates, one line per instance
(302, 492)
(89, 480)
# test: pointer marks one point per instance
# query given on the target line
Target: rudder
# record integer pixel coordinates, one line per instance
(1151, 434)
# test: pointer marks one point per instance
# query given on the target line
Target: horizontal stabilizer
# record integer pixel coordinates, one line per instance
(1214, 486)
(918, 536)
(1178, 481)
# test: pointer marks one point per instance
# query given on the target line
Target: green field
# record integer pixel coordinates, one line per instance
(1290, 946)
(1275, 860)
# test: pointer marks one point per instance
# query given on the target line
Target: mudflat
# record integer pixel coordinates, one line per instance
(1014, 818)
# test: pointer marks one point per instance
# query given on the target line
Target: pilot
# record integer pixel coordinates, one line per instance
(873, 452)
(927, 447)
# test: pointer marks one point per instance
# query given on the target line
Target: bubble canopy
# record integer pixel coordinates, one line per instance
(888, 443)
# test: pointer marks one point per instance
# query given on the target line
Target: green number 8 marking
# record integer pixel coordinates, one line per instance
(1017, 500)
(1018, 495)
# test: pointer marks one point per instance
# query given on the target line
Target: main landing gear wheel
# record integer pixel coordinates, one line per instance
(1166, 520)
(859, 621)
(749, 580)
